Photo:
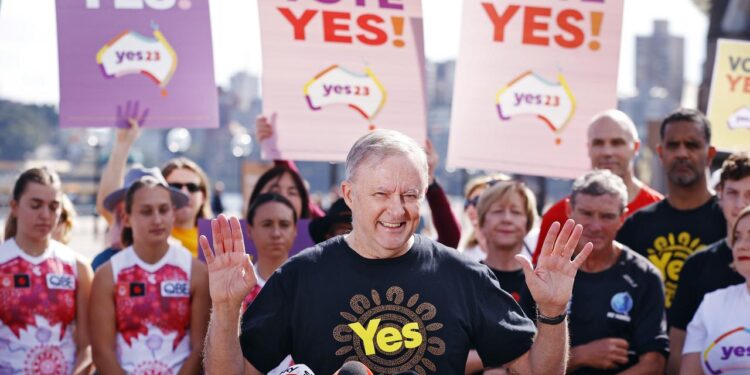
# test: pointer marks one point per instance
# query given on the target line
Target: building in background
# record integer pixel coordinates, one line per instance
(659, 79)
(244, 88)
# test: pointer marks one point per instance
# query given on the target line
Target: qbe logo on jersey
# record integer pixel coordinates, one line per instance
(177, 288)
(61, 281)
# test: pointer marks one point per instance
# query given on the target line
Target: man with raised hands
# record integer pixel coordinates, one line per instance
(382, 295)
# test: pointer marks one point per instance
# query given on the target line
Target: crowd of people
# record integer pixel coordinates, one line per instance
(614, 278)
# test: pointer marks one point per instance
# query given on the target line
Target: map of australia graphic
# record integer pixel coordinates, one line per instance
(336, 85)
(133, 53)
(530, 94)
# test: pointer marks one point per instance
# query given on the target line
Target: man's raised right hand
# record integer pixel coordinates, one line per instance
(230, 272)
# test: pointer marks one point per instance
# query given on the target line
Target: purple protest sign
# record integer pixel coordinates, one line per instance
(303, 240)
(154, 52)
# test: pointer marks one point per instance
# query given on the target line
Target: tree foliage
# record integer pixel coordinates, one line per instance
(24, 127)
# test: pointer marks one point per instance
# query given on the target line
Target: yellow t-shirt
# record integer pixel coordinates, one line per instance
(188, 237)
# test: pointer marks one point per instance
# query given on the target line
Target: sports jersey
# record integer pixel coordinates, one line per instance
(152, 311)
(38, 310)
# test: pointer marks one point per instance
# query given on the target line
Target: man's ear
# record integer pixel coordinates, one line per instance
(346, 192)
(659, 151)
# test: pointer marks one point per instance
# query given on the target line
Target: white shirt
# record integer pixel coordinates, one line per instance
(720, 331)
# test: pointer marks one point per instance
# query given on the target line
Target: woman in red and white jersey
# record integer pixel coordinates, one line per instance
(44, 285)
(149, 302)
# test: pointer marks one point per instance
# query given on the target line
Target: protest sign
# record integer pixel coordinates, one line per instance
(529, 77)
(335, 69)
(729, 101)
(153, 53)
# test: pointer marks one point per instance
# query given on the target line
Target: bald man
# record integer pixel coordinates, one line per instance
(613, 144)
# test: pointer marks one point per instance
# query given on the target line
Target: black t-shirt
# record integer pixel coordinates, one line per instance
(421, 311)
(704, 272)
(667, 236)
(514, 283)
(625, 301)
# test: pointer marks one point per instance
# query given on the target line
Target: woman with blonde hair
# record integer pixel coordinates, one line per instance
(186, 175)
(473, 190)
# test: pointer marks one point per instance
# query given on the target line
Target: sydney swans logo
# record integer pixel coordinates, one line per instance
(390, 337)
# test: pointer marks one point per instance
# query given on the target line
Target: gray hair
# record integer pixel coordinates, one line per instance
(600, 182)
(383, 143)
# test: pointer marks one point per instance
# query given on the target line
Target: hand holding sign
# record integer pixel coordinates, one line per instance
(265, 131)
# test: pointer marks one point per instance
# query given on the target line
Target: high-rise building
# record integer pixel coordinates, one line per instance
(440, 83)
(659, 63)
(660, 81)
(244, 87)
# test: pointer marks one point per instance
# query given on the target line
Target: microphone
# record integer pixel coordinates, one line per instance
(297, 370)
(353, 368)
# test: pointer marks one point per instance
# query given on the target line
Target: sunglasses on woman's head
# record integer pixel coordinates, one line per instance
(471, 202)
(474, 201)
(191, 187)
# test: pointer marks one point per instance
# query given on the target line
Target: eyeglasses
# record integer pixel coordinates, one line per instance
(191, 187)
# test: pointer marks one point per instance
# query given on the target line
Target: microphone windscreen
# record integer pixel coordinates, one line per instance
(354, 368)
(297, 370)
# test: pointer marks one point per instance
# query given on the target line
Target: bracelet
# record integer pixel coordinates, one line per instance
(551, 320)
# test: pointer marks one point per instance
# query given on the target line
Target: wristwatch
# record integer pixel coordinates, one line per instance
(553, 320)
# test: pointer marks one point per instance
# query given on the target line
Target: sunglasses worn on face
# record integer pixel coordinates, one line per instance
(191, 187)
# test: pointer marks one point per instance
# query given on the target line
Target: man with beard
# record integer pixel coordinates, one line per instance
(383, 295)
(690, 218)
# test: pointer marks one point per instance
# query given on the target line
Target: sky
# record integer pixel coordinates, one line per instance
(28, 41)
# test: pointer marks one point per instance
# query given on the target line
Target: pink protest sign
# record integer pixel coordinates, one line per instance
(529, 77)
(335, 69)
(156, 53)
